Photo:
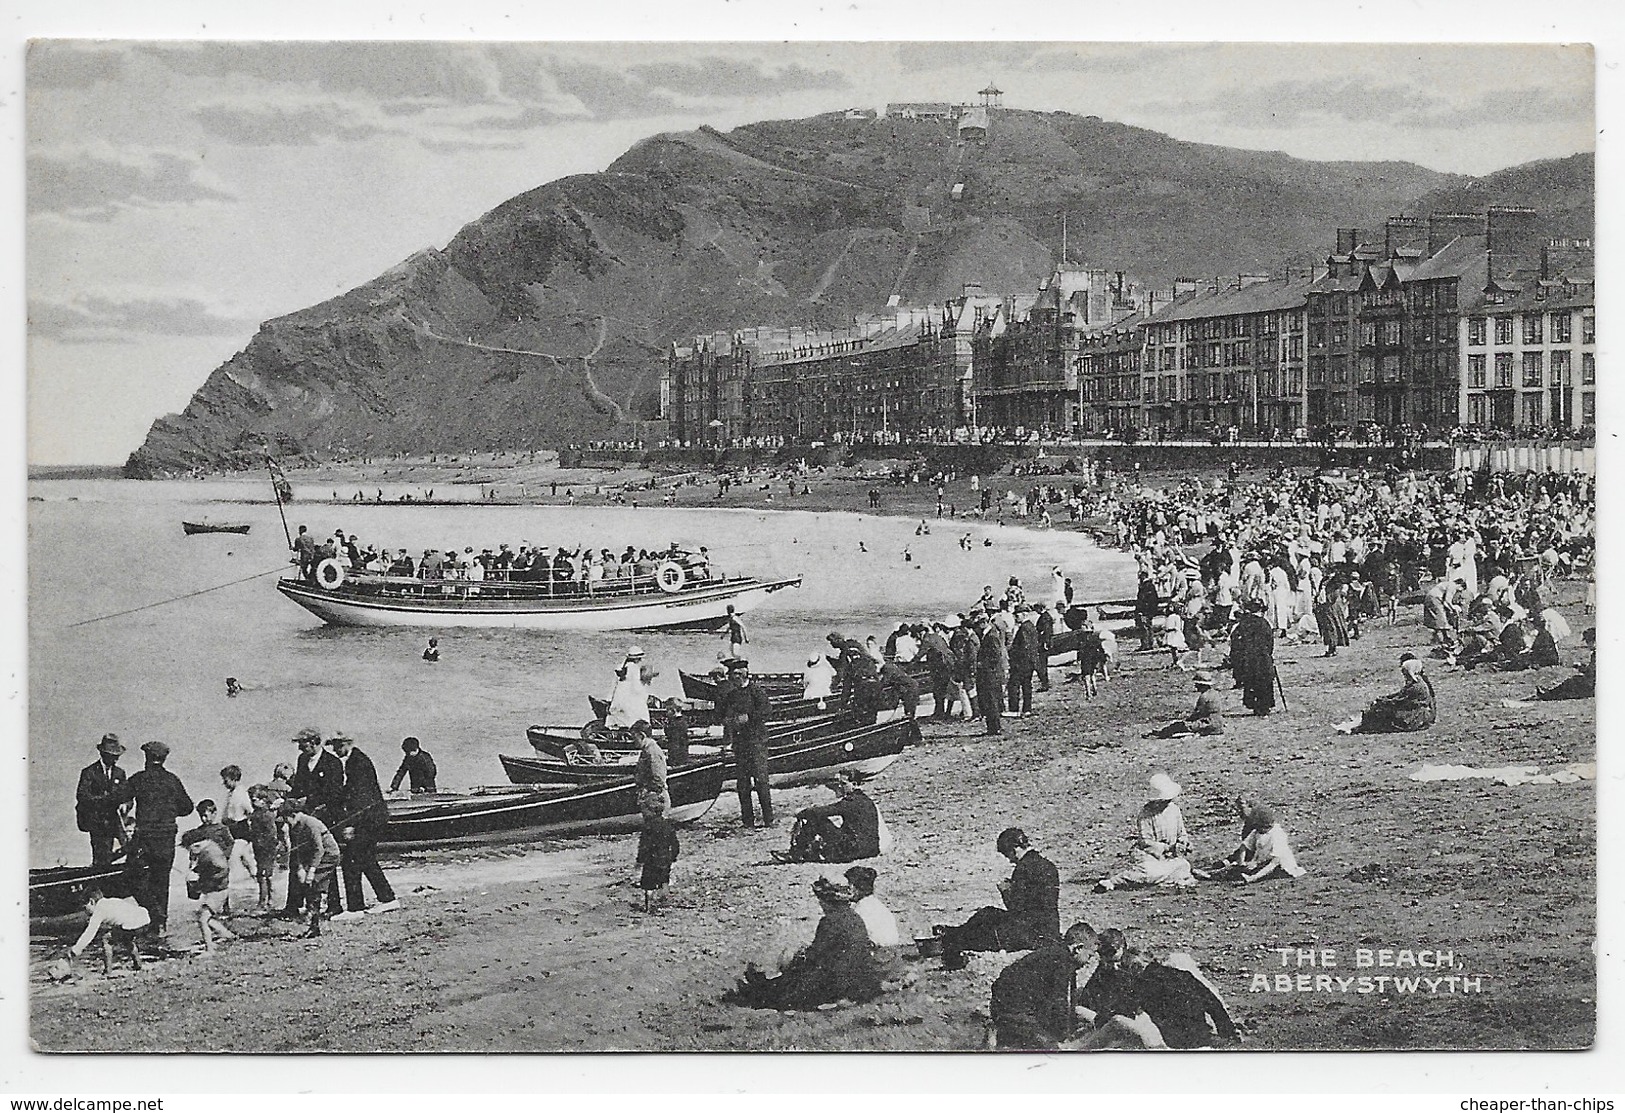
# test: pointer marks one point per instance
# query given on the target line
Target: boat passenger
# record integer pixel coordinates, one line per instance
(818, 678)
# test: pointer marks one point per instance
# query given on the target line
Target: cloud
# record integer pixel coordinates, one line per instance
(270, 126)
(977, 57)
(92, 318)
(464, 146)
(1291, 103)
(1513, 106)
(61, 65)
(454, 73)
(1295, 103)
(1112, 58)
(97, 186)
(607, 95)
(726, 77)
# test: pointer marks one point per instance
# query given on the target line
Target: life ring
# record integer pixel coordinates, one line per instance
(670, 576)
(330, 574)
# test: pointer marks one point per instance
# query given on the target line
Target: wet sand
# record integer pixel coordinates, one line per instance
(540, 948)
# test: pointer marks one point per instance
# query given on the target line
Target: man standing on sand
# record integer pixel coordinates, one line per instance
(362, 817)
(318, 780)
(96, 804)
(745, 712)
(1252, 657)
(160, 799)
(992, 673)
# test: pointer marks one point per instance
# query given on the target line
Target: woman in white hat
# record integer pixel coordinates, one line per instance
(629, 699)
(1160, 843)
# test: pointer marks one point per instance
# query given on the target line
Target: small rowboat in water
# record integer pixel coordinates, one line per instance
(793, 758)
(516, 814)
(60, 890)
(215, 527)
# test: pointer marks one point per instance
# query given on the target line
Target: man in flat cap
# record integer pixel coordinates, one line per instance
(160, 799)
(318, 780)
(745, 712)
(96, 804)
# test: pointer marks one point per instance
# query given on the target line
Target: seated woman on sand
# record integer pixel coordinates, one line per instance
(1265, 851)
(1412, 707)
(1160, 843)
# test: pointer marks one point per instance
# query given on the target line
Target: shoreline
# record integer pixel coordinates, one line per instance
(539, 948)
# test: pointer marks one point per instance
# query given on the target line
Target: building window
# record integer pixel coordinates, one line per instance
(1390, 369)
(1588, 326)
(1588, 369)
(1478, 409)
(1532, 330)
(1340, 370)
(1340, 334)
(1560, 368)
(1532, 409)
(1588, 409)
(1390, 333)
(1476, 373)
(1533, 373)
(1503, 368)
(1317, 336)
(1562, 327)
(1368, 369)
(1478, 330)
(1368, 333)
(1503, 330)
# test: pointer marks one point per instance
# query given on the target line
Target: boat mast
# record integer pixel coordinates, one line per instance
(276, 489)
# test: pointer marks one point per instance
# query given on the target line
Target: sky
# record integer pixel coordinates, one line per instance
(179, 193)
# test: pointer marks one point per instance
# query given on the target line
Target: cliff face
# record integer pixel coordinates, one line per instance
(545, 321)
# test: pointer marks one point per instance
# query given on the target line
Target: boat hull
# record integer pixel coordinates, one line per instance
(191, 528)
(60, 890)
(793, 759)
(605, 807)
(706, 605)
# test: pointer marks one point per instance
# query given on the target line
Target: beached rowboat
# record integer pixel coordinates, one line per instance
(515, 814)
(793, 758)
(60, 890)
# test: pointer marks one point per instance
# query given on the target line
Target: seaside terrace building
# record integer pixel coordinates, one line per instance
(1528, 346)
(1026, 363)
(892, 376)
(1230, 354)
(1111, 394)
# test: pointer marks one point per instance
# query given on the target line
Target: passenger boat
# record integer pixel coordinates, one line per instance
(505, 814)
(680, 594)
(60, 890)
(795, 757)
(207, 526)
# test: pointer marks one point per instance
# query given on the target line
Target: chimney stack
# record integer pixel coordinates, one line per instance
(1567, 259)
(1347, 240)
(1514, 244)
(1444, 227)
(1405, 232)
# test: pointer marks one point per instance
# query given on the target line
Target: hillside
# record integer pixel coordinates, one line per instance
(545, 321)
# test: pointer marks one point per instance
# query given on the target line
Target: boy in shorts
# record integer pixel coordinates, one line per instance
(209, 844)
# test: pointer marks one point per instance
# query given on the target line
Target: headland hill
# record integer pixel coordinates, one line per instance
(547, 322)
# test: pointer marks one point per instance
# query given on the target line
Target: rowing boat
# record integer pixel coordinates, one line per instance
(515, 814)
(206, 526)
(793, 758)
(61, 890)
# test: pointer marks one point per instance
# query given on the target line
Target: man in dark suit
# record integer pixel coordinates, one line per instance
(992, 674)
(745, 712)
(318, 780)
(1023, 662)
(361, 819)
(1031, 913)
(96, 802)
(160, 799)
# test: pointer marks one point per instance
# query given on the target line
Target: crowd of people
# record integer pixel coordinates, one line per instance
(314, 821)
(577, 569)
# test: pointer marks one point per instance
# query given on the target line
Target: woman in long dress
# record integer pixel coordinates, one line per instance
(1158, 856)
(1280, 599)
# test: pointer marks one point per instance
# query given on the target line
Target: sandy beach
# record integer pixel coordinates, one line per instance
(540, 948)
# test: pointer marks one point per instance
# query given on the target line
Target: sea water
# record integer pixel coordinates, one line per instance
(104, 546)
